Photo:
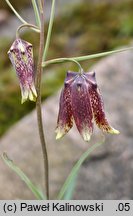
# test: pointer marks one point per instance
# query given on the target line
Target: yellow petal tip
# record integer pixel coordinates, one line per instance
(23, 100)
(86, 137)
(59, 134)
(114, 131)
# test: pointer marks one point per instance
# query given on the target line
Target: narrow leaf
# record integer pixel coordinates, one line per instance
(51, 21)
(83, 58)
(74, 172)
(15, 12)
(97, 55)
(70, 190)
(36, 12)
(23, 177)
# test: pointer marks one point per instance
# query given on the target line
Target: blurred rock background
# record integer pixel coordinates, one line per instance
(80, 28)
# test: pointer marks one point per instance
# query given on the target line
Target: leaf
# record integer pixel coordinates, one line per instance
(38, 194)
(71, 179)
(50, 26)
(15, 12)
(70, 190)
(36, 12)
(83, 58)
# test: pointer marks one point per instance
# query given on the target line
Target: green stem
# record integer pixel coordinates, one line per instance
(38, 102)
(79, 65)
(15, 12)
(83, 58)
(62, 60)
(49, 30)
(37, 16)
(33, 27)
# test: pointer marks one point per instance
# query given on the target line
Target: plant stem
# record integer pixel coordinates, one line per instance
(83, 58)
(38, 102)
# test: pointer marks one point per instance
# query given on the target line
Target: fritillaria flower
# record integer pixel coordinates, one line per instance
(81, 102)
(21, 56)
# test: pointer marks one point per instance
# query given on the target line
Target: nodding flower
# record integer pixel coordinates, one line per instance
(21, 56)
(81, 102)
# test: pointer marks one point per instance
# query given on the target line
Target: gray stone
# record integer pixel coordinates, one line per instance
(108, 173)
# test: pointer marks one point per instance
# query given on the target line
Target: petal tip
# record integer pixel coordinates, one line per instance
(32, 96)
(86, 137)
(23, 100)
(114, 131)
(59, 135)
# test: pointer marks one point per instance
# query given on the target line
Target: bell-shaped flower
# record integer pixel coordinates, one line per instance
(81, 102)
(21, 56)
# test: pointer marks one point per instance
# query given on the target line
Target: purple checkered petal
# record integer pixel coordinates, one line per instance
(21, 56)
(98, 105)
(81, 107)
(65, 118)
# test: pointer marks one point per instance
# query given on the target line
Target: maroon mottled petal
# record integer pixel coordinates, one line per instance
(70, 77)
(90, 77)
(81, 107)
(30, 62)
(98, 110)
(65, 119)
(21, 56)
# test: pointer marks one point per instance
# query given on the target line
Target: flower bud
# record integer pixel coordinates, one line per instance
(21, 56)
